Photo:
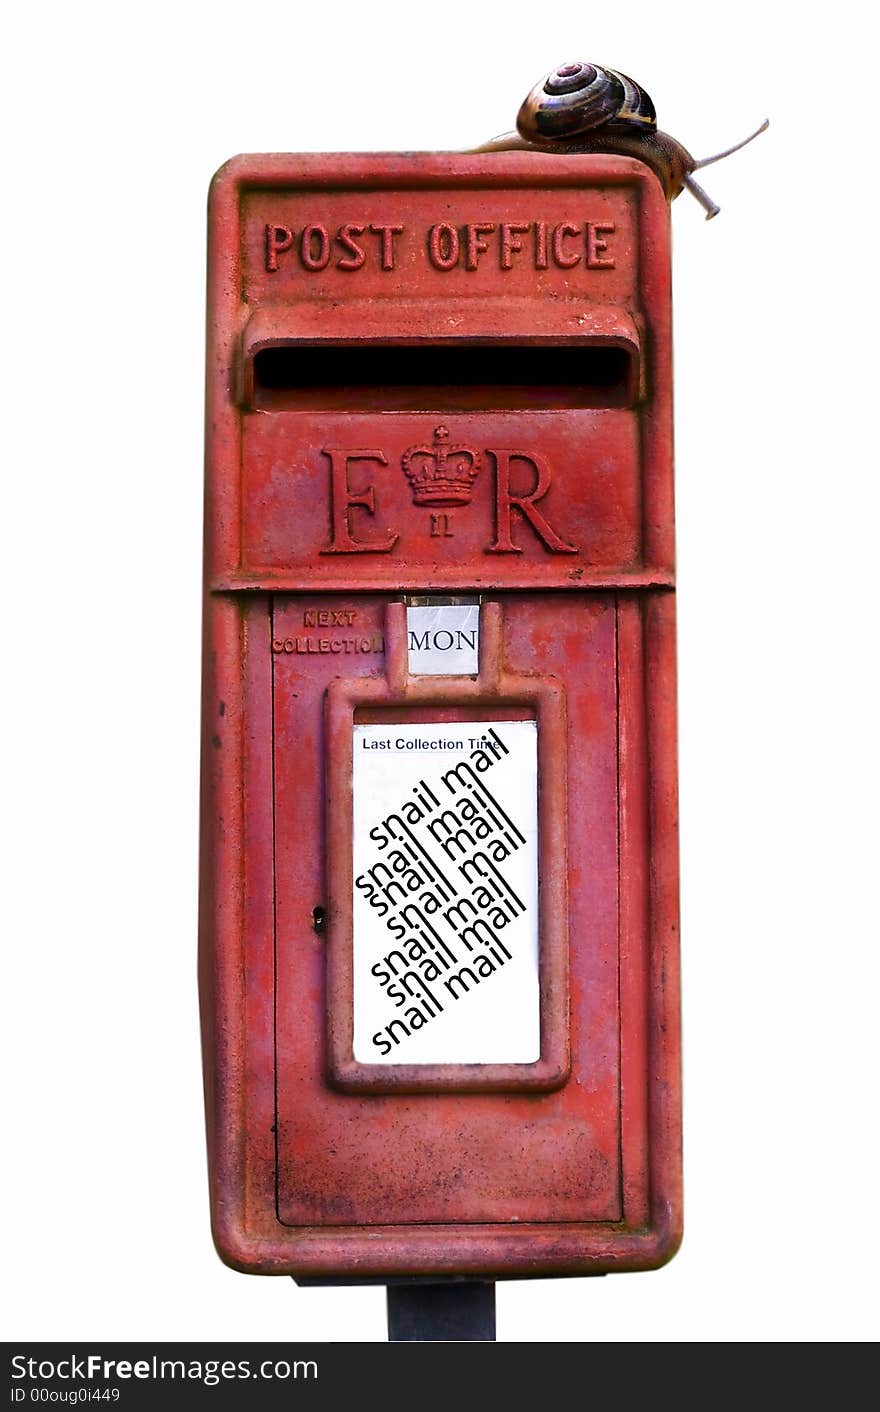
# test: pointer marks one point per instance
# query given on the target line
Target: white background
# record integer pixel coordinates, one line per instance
(115, 118)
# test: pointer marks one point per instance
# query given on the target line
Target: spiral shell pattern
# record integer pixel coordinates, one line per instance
(576, 98)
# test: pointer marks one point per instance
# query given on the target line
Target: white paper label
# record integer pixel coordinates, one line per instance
(445, 899)
(443, 639)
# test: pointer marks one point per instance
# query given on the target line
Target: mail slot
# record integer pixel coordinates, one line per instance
(439, 879)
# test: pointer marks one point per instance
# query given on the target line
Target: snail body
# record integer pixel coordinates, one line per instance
(670, 161)
(583, 107)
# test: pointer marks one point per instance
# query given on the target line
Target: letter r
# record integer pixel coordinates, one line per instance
(506, 502)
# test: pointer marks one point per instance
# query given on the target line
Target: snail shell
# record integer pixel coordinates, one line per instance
(576, 98)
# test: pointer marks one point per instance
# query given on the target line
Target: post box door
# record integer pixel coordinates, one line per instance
(448, 1128)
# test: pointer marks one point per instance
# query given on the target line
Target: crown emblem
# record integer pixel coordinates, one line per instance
(441, 474)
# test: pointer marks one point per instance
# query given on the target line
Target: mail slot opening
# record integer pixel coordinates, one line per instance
(439, 377)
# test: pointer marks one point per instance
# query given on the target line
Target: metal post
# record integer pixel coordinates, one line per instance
(442, 1313)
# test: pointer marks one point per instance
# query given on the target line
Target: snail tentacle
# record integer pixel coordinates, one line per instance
(728, 151)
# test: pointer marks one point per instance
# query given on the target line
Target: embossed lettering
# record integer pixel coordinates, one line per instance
(315, 257)
(343, 499)
(476, 245)
(443, 245)
(562, 245)
(329, 617)
(387, 234)
(506, 501)
(510, 241)
(334, 645)
(540, 245)
(355, 255)
(564, 259)
(278, 239)
(595, 245)
(440, 528)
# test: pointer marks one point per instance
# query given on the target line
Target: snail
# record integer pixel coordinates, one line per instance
(585, 108)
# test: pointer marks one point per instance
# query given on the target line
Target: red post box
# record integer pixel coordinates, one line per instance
(439, 894)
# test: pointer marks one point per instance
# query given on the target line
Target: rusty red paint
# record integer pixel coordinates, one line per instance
(318, 1166)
